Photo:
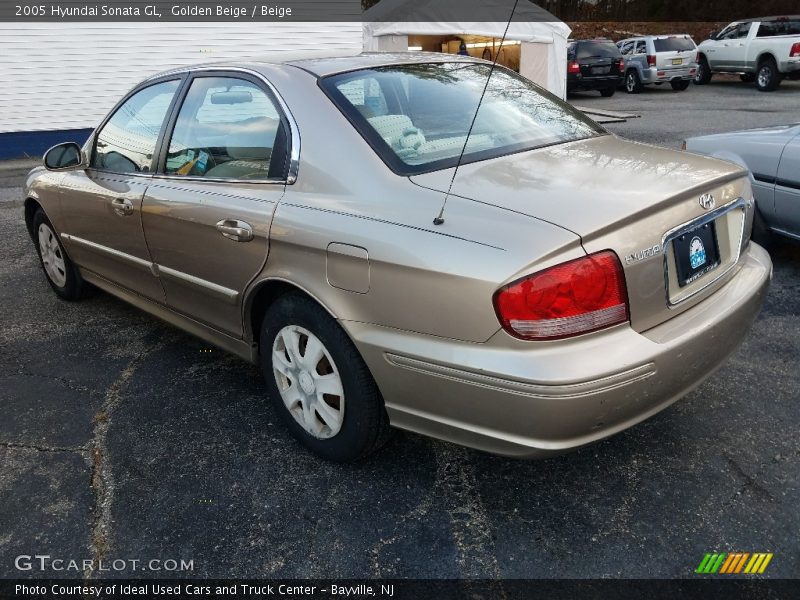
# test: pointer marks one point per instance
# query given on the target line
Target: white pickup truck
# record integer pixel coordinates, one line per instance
(762, 50)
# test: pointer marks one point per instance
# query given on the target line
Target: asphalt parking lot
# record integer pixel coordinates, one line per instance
(124, 438)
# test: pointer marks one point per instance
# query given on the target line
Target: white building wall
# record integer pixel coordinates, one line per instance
(68, 75)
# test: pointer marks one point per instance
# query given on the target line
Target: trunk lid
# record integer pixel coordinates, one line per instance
(622, 196)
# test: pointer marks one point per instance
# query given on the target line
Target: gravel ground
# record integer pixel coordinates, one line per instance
(124, 438)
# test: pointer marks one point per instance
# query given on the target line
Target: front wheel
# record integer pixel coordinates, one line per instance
(703, 74)
(61, 273)
(679, 85)
(767, 77)
(319, 383)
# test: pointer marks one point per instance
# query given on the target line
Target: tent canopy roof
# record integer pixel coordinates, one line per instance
(487, 18)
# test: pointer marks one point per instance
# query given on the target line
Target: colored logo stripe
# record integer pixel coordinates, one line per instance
(734, 562)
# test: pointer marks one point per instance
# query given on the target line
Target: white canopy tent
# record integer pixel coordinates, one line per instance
(542, 37)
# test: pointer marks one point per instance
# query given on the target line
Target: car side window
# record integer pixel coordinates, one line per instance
(641, 47)
(626, 48)
(735, 32)
(127, 142)
(227, 128)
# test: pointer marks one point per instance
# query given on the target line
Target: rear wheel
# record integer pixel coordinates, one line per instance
(679, 85)
(61, 273)
(767, 77)
(608, 92)
(633, 85)
(703, 74)
(319, 383)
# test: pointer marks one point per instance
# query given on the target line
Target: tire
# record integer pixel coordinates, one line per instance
(703, 74)
(767, 76)
(608, 92)
(680, 85)
(747, 77)
(633, 84)
(61, 273)
(355, 423)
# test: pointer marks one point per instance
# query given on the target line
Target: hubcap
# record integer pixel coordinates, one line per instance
(764, 76)
(631, 82)
(698, 76)
(52, 256)
(308, 381)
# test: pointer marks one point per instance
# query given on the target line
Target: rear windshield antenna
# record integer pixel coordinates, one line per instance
(440, 219)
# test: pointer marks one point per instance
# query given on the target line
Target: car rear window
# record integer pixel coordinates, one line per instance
(419, 117)
(597, 50)
(673, 44)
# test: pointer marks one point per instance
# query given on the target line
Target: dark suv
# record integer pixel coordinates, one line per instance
(594, 65)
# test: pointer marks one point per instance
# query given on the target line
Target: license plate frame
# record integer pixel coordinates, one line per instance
(677, 61)
(601, 70)
(696, 253)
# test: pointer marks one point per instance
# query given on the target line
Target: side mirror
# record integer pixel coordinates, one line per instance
(712, 35)
(64, 156)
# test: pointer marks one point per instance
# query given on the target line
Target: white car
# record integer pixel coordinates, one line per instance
(762, 50)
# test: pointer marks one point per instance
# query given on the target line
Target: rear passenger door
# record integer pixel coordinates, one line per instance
(207, 213)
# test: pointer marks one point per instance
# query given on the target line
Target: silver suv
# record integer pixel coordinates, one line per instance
(658, 59)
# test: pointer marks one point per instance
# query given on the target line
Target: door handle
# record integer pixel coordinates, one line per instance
(235, 230)
(122, 206)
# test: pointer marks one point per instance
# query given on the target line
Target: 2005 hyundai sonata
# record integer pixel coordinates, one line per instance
(574, 285)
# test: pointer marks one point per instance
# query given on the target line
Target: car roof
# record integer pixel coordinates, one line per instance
(322, 64)
(770, 19)
(655, 37)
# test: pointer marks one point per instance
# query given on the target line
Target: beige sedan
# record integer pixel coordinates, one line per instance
(549, 288)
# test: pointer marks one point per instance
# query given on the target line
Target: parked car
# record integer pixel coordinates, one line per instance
(294, 214)
(772, 155)
(658, 59)
(762, 50)
(594, 65)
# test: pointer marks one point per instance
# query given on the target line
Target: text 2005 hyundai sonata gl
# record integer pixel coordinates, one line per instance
(577, 285)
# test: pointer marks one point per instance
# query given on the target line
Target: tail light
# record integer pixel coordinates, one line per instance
(573, 68)
(795, 51)
(621, 65)
(570, 299)
(651, 60)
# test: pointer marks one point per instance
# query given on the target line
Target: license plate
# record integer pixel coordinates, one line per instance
(677, 61)
(696, 253)
(600, 70)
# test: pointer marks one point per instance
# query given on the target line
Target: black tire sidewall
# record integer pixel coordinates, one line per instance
(364, 417)
(72, 288)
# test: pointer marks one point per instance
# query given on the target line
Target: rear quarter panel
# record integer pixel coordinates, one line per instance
(437, 280)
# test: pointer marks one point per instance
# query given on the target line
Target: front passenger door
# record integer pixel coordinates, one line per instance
(207, 213)
(102, 205)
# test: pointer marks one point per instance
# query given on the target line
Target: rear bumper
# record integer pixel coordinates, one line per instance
(654, 75)
(534, 399)
(791, 65)
(575, 83)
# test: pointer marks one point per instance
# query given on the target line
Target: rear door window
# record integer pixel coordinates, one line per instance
(781, 27)
(227, 128)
